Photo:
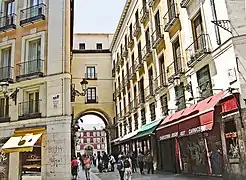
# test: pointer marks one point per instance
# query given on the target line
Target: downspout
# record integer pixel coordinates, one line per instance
(216, 28)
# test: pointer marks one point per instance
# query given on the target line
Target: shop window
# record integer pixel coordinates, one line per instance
(152, 111)
(204, 82)
(31, 161)
(143, 118)
(232, 142)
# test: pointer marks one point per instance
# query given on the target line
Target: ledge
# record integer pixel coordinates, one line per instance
(77, 51)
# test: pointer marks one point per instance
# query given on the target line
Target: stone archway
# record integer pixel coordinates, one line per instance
(106, 119)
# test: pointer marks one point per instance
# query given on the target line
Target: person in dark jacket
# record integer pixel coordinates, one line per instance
(105, 160)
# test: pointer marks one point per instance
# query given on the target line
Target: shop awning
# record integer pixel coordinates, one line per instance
(116, 140)
(196, 118)
(148, 129)
(23, 140)
(129, 136)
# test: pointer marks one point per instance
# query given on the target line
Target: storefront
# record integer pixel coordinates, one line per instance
(193, 136)
(127, 144)
(28, 143)
(4, 161)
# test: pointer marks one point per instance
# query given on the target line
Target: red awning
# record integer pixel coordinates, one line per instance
(196, 118)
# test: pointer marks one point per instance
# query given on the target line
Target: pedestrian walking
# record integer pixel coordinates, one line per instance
(105, 160)
(134, 162)
(141, 162)
(128, 168)
(150, 164)
(120, 167)
(95, 160)
(75, 165)
(87, 167)
(112, 162)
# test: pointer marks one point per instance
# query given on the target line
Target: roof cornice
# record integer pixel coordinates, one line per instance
(122, 18)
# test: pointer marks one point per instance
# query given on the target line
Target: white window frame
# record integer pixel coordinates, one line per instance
(25, 45)
(27, 3)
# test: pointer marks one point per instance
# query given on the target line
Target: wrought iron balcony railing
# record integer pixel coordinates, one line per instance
(138, 62)
(170, 17)
(176, 68)
(149, 91)
(157, 36)
(130, 41)
(8, 22)
(144, 13)
(32, 14)
(29, 109)
(198, 49)
(91, 100)
(137, 28)
(91, 76)
(29, 69)
(141, 99)
(146, 51)
(6, 73)
(151, 2)
(132, 71)
(160, 82)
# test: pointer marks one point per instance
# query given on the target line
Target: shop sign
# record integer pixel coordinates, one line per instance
(191, 131)
(168, 136)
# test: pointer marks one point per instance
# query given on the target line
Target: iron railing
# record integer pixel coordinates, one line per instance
(198, 49)
(8, 22)
(6, 73)
(144, 13)
(138, 62)
(141, 99)
(29, 109)
(149, 91)
(157, 36)
(146, 51)
(91, 76)
(132, 71)
(30, 68)
(130, 41)
(175, 68)
(151, 2)
(32, 14)
(170, 17)
(160, 82)
(125, 51)
(137, 28)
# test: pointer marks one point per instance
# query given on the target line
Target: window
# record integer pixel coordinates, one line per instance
(120, 130)
(125, 127)
(81, 46)
(91, 95)
(98, 146)
(102, 140)
(33, 103)
(152, 111)
(94, 134)
(136, 121)
(88, 134)
(177, 57)
(34, 53)
(164, 105)
(94, 140)
(4, 109)
(5, 67)
(102, 146)
(91, 72)
(98, 133)
(197, 30)
(88, 140)
(130, 30)
(180, 96)
(99, 46)
(130, 124)
(34, 2)
(204, 82)
(9, 9)
(143, 118)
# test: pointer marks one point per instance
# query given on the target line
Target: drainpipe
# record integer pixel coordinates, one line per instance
(216, 28)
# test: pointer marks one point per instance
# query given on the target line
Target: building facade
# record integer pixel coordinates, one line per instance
(35, 89)
(92, 62)
(92, 142)
(180, 63)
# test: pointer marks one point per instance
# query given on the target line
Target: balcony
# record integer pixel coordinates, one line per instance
(132, 72)
(146, 52)
(157, 36)
(149, 92)
(137, 29)
(32, 14)
(91, 100)
(175, 69)
(125, 51)
(160, 83)
(29, 110)
(127, 79)
(6, 74)
(184, 3)
(139, 63)
(140, 99)
(130, 42)
(170, 17)
(91, 76)
(8, 23)
(144, 14)
(200, 48)
(30, 69)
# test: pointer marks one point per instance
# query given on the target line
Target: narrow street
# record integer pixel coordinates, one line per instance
(95, 175)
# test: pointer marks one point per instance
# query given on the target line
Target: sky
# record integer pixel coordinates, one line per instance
(91, 121)
(95, 16)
